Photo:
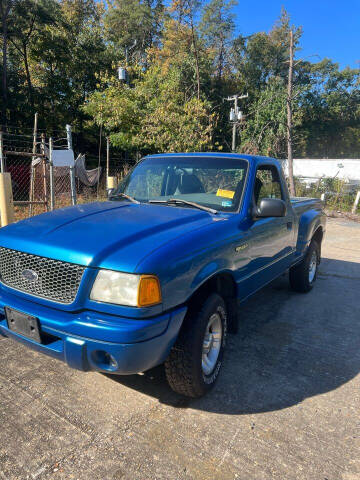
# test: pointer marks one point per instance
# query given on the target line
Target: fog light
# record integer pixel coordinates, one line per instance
(104, 360)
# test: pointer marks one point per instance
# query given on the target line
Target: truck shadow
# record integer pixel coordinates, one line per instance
(289, 347)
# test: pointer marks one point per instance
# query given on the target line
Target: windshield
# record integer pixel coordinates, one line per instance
(214, 182)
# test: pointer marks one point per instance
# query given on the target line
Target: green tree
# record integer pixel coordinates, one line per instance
(263, 55)
(186, 11)
(262, 64)
(29, 18)
(134, 26)
(157, 113)
(6, 13)
(217, 28)
(330, 109)
(67, 59)
(264, 132)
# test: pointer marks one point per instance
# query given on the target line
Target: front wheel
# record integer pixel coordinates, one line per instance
(196, 358)
(303, 275)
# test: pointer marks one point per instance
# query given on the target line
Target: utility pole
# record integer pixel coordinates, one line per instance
(235, 116)
(289, 116)
(123, 74)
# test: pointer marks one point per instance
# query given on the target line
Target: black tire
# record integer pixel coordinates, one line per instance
(183, 366)
(299, 274)
(233, 315)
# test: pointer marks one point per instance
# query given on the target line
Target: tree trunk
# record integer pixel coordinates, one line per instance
(196, 59)
(289, 118)
(4, 22)
(28, 77)
(221, 51)
(221, 60)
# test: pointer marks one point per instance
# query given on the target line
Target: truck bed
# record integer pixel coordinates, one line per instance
(301, 204)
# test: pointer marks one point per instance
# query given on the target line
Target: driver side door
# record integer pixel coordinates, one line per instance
(271, 239)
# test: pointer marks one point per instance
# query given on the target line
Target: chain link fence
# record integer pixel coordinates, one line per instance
(25, 157)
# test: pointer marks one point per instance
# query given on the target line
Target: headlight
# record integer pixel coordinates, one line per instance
(126, 289)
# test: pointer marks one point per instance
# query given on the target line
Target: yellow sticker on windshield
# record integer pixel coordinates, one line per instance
(225, 193)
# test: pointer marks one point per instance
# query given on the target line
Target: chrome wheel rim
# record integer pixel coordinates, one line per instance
(211, 344)
(312, 267)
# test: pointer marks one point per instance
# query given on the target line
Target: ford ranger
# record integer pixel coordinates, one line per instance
(155, 274)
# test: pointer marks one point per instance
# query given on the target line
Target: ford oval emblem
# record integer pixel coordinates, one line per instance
(30, 275)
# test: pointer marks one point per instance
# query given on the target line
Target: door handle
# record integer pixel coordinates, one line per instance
(289, 225)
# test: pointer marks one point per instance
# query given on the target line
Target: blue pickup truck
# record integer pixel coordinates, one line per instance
(155, 274)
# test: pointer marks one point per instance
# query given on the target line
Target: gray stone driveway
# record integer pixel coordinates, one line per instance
(287, 404)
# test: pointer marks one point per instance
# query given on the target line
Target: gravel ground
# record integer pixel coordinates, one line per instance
(286, 405)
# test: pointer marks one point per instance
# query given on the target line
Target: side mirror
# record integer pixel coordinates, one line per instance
(270, 207)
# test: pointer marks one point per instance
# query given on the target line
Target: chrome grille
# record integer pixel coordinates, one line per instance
(40, 276)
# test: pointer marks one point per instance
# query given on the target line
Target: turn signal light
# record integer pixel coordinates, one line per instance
(149, 292)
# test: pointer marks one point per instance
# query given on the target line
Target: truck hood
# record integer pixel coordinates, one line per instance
(114, 235)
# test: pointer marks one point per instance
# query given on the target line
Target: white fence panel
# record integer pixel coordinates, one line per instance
(313, 169)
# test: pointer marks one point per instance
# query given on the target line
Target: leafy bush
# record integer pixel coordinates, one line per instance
(337, 194)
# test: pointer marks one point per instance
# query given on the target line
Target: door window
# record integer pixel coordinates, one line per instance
(267, 184)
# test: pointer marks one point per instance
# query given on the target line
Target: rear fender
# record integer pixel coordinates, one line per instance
(309, 222)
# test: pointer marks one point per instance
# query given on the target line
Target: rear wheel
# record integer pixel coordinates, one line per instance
(303, 275)
(196, 358)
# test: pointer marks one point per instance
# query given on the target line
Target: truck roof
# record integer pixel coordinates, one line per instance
(252, 158)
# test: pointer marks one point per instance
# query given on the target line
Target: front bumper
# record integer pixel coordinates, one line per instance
(89, 340)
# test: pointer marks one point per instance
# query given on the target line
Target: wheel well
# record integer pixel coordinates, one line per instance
(318, 236)
(223, 284)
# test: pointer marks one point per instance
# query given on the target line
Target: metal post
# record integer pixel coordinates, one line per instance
(2, 166)
(233, 143)
(107, 161)
(69, 137)
(6, 200)
(51, 167)
(35, 132)
(32, 168)
(44, 172)
(72, 169)
(100, 144)
(356, 203)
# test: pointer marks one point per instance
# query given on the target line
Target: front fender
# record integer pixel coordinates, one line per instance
(208, 271)
(185, 264)
(185, 276)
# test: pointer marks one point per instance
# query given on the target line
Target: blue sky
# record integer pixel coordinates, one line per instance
(330, 28)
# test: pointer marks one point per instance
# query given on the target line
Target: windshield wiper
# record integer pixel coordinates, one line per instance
(123, 195)
(179, 201)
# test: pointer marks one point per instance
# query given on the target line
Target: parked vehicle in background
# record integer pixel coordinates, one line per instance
(155, 274)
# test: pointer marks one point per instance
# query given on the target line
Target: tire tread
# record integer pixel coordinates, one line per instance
(299, 274)
(179, 366)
